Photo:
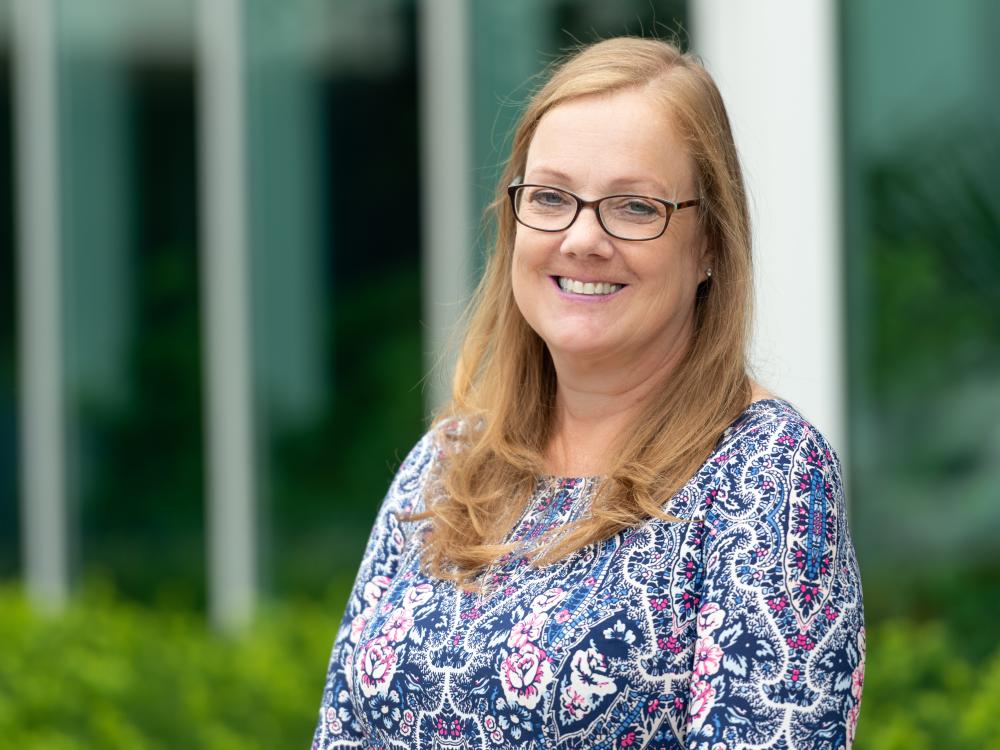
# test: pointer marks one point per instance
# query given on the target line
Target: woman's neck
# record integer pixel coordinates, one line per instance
(594, 407)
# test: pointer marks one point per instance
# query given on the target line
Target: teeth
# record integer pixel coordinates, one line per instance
(590, 287)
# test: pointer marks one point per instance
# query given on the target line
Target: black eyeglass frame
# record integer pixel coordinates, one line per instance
(581, 204)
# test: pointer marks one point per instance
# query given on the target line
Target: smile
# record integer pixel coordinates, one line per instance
(594, 288)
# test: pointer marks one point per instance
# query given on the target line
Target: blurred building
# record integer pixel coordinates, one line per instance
(234, 235)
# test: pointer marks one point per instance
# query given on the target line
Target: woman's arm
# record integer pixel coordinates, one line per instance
(338, 727)
(779, 659)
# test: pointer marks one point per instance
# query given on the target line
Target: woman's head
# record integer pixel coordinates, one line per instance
(693, 117)
(667, 136)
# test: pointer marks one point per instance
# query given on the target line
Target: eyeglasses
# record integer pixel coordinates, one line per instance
(626, 217)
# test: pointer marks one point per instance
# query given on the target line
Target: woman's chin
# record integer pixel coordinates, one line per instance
(579, 348)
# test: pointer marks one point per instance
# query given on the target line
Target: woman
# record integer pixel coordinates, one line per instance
(611, 537)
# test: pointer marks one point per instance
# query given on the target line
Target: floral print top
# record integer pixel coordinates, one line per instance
(740, 629)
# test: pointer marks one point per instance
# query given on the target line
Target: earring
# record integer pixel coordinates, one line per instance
(708, 272)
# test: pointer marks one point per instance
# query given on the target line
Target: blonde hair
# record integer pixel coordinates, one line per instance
(504, 385)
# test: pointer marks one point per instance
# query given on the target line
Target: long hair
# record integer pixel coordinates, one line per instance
(494, 432)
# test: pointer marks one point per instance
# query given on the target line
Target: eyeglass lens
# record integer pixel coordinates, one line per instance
(626, 216)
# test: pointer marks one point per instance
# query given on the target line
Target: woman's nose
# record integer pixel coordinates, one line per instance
(586, 236)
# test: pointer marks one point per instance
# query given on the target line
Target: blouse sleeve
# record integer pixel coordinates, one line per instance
(779, 655)
(338, 727)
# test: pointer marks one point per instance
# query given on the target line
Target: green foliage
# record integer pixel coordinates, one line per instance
(921, 693)
(109, 674)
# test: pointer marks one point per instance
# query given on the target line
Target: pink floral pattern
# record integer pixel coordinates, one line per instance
(527, 630)
(525, 673)
(702, 700)
(398, 624)
(378, 664)
(743, 628)
(707, 656)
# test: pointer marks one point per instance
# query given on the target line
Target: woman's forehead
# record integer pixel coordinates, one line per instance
(620, 140)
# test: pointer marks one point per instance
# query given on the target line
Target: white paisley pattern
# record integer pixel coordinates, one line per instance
(742, 629)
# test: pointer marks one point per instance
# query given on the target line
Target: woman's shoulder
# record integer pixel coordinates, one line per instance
(771, 464)
(424, 461)
(773, 426)
(406, 491)
(772, 455)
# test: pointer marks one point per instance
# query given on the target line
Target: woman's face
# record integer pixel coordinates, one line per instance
(609, 145)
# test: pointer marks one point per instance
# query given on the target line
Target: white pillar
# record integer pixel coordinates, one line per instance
(775, 62)
(448, 192)
(230, 513)
(40, 330)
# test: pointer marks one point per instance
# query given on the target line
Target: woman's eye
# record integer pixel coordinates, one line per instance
(549, 198)
(635, 210)
(641, 208)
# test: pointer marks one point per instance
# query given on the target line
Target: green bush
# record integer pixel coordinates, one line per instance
(922, 693)
(107, 674)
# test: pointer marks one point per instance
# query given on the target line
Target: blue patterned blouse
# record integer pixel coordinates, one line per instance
(743, 629)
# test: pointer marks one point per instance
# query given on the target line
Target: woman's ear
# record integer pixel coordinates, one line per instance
(706, 261)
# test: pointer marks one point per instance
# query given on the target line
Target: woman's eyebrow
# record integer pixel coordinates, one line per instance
(555, 174)
(639, 183)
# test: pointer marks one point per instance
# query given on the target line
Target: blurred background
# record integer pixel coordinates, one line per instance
(233, 234)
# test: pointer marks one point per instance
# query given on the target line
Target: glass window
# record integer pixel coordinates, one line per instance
(922, 112)
(128, 205)
(335, 228)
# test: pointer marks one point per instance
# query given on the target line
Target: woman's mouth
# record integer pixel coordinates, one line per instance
(590, 288)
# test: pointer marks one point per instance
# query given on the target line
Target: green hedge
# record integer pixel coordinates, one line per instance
(921, 693)
(107, 674)
(112, 675)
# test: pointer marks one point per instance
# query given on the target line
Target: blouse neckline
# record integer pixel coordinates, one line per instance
(752, 408)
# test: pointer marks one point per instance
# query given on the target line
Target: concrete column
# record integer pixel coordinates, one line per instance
(775, 62)
(40, 325)
(448, 197)
(230, 515)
